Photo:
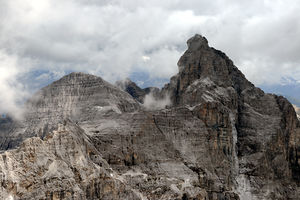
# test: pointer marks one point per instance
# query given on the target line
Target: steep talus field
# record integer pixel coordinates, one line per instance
(218, 137)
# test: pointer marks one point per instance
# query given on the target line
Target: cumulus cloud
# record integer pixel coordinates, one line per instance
(114, 38)
(154, 103)
(12, 92)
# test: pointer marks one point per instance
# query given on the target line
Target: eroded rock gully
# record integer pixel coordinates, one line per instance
(220, 139)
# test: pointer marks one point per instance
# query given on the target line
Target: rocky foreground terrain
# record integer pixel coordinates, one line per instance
(207, 135)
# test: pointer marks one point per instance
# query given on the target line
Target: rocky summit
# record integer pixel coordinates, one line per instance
(214, 136)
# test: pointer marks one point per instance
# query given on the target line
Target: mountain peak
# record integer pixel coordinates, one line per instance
(78, 89)
(135, 91)
(196, 42)
(79, 77)
(199, 62)
(77, 96)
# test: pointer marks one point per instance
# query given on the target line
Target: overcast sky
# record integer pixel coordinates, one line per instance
(41, 40)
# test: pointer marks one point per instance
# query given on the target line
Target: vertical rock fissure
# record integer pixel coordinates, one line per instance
(242, 184)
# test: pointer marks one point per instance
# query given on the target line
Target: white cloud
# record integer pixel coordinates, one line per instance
(12, 92)
(146, 58)
(153, 103)
(114, 38)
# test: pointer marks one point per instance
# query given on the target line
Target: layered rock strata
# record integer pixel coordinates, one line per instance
(221, 138)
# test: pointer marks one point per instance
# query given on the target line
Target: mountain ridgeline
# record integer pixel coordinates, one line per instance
(218, 137)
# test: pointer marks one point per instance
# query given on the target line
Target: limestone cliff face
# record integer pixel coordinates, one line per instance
(222, 138)
(77, 96)
(64, 165)
(80, 97)
(206, 67)
(267, 125)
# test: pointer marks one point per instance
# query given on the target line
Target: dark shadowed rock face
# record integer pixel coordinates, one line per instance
(135, 91)
(131, 88)
(222, 138)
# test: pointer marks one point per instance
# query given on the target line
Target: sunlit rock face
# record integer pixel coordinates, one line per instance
(208, 134)
(297, 109)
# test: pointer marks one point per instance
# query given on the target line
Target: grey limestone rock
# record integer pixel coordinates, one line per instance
(220, 139)
(77, 96)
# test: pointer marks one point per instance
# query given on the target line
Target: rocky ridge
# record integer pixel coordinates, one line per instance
(77, 96)
(135, 91)
(222, 138)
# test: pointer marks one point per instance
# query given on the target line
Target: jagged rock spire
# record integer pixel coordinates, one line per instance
(200, 61)
(196, 42)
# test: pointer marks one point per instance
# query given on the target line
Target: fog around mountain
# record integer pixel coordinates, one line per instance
(42, 40)
(207, 134)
